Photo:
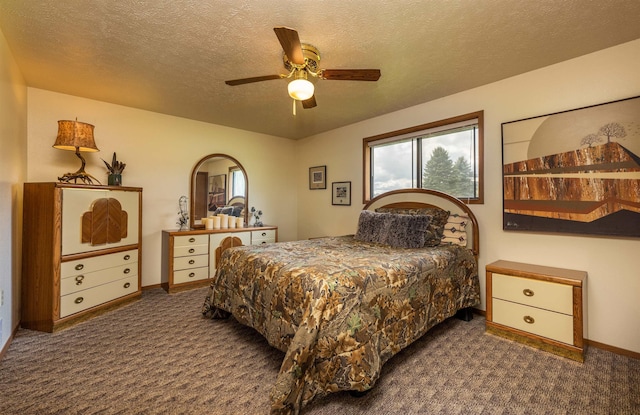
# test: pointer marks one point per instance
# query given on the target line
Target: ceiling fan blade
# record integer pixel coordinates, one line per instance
(290, 42)
(351, 74)
(234, 82)
(309, 103)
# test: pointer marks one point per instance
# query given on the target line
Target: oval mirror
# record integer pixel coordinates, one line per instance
(218, 182)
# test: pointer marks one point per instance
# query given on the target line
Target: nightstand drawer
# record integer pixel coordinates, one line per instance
(533, 320)
(187, 262)
(189, 275)
(540, 294)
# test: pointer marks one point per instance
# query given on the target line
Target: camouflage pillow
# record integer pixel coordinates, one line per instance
(435, 230)
(397, 231)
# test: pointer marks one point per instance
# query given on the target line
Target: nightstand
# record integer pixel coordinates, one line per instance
(537, 305)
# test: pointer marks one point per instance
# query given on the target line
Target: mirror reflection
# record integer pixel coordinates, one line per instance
(218, 185)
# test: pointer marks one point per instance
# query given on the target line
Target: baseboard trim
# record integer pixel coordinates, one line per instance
(5, 349)
(613, 349)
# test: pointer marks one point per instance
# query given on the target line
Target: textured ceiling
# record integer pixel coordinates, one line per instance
(173, 56)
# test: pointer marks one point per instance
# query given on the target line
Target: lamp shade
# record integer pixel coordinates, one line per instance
(300, 89)
(74, 135)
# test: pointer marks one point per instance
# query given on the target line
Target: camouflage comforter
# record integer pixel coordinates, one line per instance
(339, 308)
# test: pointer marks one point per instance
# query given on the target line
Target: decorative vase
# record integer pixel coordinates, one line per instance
(115, 179)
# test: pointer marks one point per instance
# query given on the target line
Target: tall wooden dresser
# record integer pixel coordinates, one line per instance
(81, 251)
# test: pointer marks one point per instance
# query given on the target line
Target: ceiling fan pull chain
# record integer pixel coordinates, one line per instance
(294, 107)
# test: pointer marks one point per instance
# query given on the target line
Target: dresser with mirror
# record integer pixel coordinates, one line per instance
(219, 186)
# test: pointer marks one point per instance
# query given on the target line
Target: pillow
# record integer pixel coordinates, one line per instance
(397, 231)
(225, 210)
(435, 230)
(455, 232)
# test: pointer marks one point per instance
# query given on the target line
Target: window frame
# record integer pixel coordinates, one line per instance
(401, 134)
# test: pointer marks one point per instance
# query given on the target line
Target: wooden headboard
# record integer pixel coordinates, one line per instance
(414, 198)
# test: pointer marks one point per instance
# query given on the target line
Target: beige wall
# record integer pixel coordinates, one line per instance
(613, 308)
(160, 151)
(13, 132)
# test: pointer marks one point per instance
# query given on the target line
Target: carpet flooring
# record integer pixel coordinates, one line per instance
(160, 356)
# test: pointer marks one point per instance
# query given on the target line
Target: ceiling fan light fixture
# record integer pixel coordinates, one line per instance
(300, 88)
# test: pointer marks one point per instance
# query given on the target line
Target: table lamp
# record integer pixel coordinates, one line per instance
(76, 136)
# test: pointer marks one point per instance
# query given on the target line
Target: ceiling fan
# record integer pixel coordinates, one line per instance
(301, 60)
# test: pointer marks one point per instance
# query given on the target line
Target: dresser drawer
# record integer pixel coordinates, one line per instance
(96, 263)
(179, 251)
(188, 262)
(189, 275)
(263, 237)
(85, 299)
(533, 320)
(189, 240)
(87, 280)
(536, 293)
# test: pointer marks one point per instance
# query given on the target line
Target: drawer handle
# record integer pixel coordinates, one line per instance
(192, 274)
(263, 243)
(78, 300)
(191, 262)
(192, 240)
(79, 267)
(192, 250)
(529, 319)
(127, 257)
(79, 279)
(264, 234)
(126, 270)
(127, 284)
(528, 292)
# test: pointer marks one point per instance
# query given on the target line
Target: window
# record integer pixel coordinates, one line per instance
(444, 155)
(237, 182)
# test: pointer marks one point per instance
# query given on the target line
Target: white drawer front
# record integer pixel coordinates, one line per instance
(96, 263)
(541, 294)
(188, 275)
(187, 262)
(87, 280)
(83, 300)
(190, 240)
(543, 323)
(190, 250)
(263, 237)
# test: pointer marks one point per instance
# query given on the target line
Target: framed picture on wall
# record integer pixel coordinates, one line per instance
(576, 171)
(217, 191)
(318, 177)
(341, 193)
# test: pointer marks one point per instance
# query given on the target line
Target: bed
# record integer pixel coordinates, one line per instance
(340, 307)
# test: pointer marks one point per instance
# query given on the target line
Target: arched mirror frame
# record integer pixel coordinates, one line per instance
(194, 173)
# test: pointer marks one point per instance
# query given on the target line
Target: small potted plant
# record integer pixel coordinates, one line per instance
(115, 171)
